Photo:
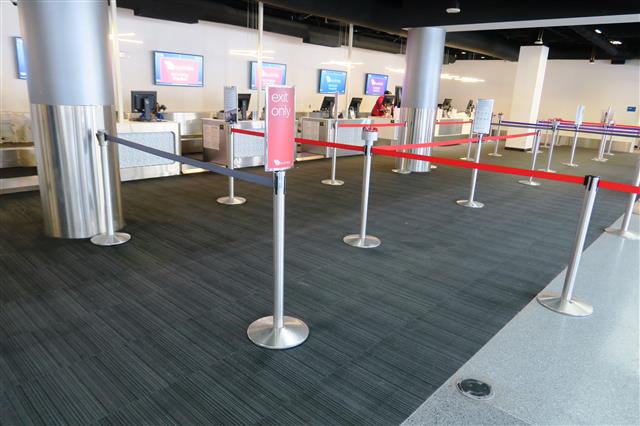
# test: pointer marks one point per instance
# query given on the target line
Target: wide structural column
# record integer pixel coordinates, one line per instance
(425, 52)
(527, 91)
(71, 95)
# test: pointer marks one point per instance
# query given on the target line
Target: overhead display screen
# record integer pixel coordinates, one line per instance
(272, 74)
(178, 69)
(376, 84)
(21, 58)
(332, 81)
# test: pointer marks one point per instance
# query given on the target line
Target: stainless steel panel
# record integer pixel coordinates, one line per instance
(249, 150)
(69, 172)
(190, 122)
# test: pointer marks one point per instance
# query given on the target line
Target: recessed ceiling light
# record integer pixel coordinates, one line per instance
(454, 7)
(463, 52)
(616, 42)
(482, 57)
(598, 31)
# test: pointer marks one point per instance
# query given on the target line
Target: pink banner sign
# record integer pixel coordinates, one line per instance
(280, 124)
(179, 71)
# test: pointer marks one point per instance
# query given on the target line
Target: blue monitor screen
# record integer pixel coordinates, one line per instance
(178, 69)
(332, 81)
(22, 59)
(272, 74)
(376, 84)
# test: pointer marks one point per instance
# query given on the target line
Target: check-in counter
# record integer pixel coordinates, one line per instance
(162, 135)
(322, 129)
(248, 150)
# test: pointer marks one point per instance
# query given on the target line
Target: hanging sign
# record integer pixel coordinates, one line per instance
(279, 132)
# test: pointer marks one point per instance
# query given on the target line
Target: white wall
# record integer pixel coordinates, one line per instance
(567, 83)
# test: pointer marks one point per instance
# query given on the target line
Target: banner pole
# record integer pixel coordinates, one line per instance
(468, 156)
(573, 148)
(603, 141)
(110, 238)
(278, 331)
(362, 240)
(334, 151)
(554, 138)
(231, 199)
(536, 150)
(564, 302)
(497, 145)
(474, 178)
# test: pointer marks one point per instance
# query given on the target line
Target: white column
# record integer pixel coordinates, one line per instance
(527, 91)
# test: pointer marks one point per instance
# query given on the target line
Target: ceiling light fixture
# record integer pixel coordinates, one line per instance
(616, 42)
(454, 7)
(463, 52)
(598, 31)
(539, 40)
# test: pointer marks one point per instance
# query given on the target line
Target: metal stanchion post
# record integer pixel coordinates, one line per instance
(497, 145)
(110, 238)
(609, 153)
(278, 331)
(573, 148)
(554, 137)
(600, 158)
(362, 240)
(474, 177)
(231, 199)
(623, 231)
(334, 151)
(536, 145)
(468, 156)
(564, 302)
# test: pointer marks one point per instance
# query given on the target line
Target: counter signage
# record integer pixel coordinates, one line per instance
(482, 118)
(376, 84)
(279, 128)
(332, 81)
(272, 74)
(178, 69)
(231, 104)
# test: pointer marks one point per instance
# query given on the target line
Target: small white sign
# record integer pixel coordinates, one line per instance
(482, 119)
(579, 115)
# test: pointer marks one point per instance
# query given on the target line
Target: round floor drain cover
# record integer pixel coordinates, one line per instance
(475, 389)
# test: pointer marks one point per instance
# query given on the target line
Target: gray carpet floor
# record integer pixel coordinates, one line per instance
(154, 331)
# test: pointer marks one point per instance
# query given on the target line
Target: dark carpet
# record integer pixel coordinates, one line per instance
(154, 331)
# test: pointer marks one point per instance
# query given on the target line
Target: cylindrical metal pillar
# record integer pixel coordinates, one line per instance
(71, 94)
(425, 51)
(565, 303)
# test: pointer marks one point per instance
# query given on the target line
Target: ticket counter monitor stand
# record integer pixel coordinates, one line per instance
(362, 240)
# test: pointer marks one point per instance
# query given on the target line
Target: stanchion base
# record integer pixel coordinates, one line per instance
(529, 182)
(264, 334)
(574, 308)
(494, 154)
(600, 160)
(570, 164)
(629, 235)
(466, 159)
(532, 152)
(433, 167)
(369, 241)
(110, 240)
(611, 154)
(332, 182)
(471, 204)
(401, 171)
(229, 201)
(547, 170)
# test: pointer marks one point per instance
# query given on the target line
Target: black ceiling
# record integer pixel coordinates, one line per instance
(379, 24)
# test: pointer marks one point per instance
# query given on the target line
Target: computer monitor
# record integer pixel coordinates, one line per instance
(446, 104)
(354, 105)
(243, 104)
(144, 103)
(470, 107)
(398, 99)
(388, 100)
(327, 104)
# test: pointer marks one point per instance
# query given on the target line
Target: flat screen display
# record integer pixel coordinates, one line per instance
(332, 81)
(376, 84)
(21, 59)
(272, 74)
(178, 69)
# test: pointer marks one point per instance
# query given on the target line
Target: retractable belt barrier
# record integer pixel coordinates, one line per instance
(248, 132)
(630, 134)
(330, 144)
(351, 125)
(448, 123)
(450, 142)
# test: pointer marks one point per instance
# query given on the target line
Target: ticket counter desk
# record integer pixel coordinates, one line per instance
(162, 135)
(322, 129)
(248, 150)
